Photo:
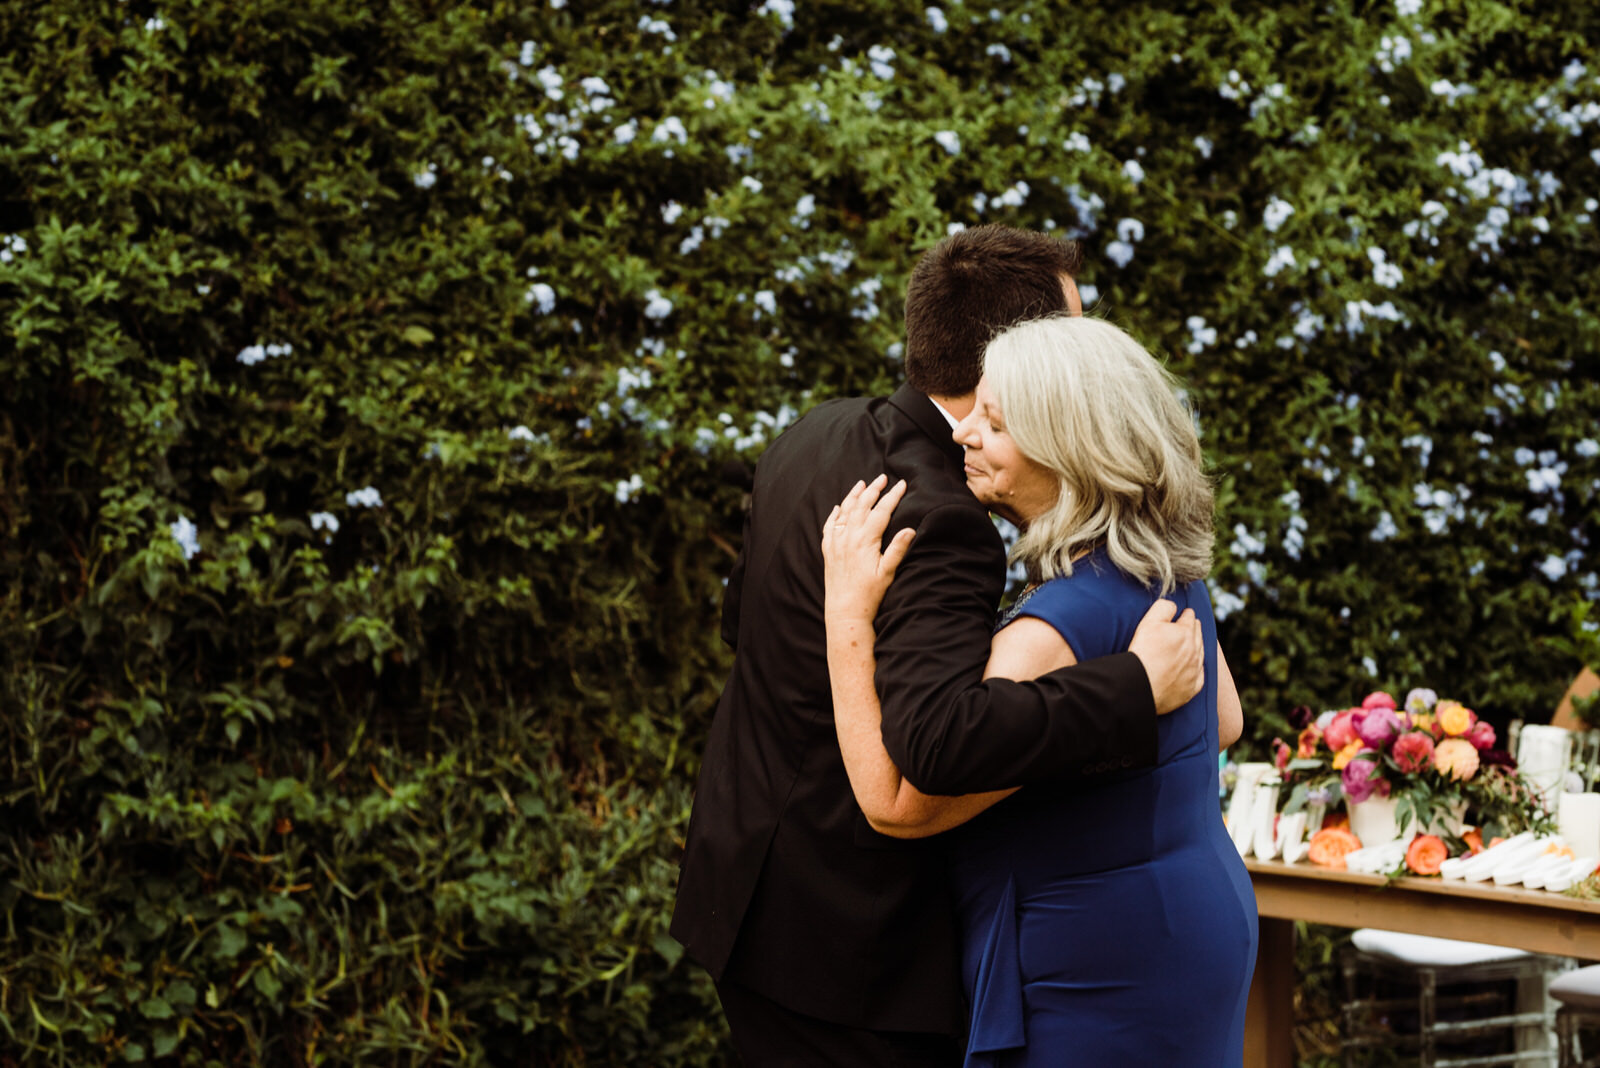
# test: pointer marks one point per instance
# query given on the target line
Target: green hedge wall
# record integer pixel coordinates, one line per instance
(372, 373)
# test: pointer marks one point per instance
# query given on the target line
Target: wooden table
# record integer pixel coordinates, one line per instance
(1535, 920)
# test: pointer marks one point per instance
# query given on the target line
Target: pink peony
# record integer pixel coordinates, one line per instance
(1358, 778)
(1456, 759)
(1413, 751)
(1340, 732)
(1379, 727)
(1379, 699)
(1481, 735)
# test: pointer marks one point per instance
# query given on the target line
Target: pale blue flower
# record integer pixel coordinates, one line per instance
(656, 306)
(542, 296)
(1120, 253)
(783, 9)
(366, 497)
(186, 535)
(949, 140)
(936, 20)
(1275, 214)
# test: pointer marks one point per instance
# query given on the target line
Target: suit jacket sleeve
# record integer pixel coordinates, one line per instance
(952, 733)
(735, 588)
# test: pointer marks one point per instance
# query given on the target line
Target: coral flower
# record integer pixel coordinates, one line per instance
(1307, 743)
(1329, 846)
(1379, 699)
(1481, 735)
(1454, 717)
(1281, 754)
(1379, 728)
(1456, 759)
(1358, 778)
(1474, 842)
(1347, 754)
(1425, 854)
(1413, 751)
(1340, 732)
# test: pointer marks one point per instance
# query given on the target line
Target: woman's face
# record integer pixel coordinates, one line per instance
(997, 473)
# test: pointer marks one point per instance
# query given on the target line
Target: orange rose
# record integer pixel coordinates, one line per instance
(1454, 717)
(1425, 854)
(1456, 759)
(1347, 754)
(1329, 846)
(1474, 842)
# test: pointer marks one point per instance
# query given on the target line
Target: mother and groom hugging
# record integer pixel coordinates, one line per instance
(858, 877)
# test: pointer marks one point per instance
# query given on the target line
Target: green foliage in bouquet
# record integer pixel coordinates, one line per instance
(377, 379)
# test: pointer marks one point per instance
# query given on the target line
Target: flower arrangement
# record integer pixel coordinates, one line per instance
(1434, 756)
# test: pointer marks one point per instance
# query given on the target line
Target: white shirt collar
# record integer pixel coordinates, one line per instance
(952, 420)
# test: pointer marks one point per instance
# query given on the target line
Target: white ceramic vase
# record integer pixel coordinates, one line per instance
(1373, 821)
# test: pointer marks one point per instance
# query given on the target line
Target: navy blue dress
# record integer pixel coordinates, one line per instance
(1113, 923)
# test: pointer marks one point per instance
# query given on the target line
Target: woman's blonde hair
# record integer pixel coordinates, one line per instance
(1083, 399)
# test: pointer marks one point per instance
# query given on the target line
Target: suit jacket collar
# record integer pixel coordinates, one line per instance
(921, 411)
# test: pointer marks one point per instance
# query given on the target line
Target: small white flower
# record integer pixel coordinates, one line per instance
(1275, 214)
(1088, 294)
(805, 206)
(542, 296)
(656, 306)
(783, 9)
(425, 179)
(624, 134)
(366, 497)
(949, 140)
(186, 535)
(325, 521)
(670, 211)
(767, 301)
(936, 20)
(251, 355)
(1282, 256)
(1133, 171)
(751, 183)
(1120, 253)
(154, 24)
(550, 78)
(881, 59)
(1554, 567)
(1407, 8)
(1076, 142)
(1204, 146)
(1131, 230)
(670, 129)
(519, 433)
(629, 488)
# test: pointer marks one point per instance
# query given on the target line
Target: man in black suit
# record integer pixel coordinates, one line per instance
(830, 943)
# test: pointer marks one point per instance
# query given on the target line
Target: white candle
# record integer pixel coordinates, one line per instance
(1579, 820)
(1542, 755)
(1241, 806)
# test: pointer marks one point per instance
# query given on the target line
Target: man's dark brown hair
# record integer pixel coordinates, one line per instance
(971, 286)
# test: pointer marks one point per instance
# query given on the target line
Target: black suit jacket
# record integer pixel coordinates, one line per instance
(784, 886)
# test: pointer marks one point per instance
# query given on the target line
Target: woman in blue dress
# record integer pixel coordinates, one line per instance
(1107, 923)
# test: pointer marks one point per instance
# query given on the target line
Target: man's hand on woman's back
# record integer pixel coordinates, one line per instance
(1172, 653)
